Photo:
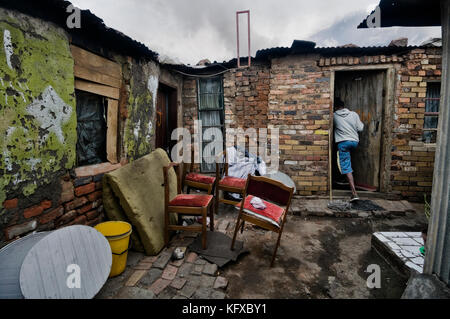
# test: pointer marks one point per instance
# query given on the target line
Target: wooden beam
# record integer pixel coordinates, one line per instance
(95, 62)
(111, 133)
(96, 88)
(94, 76)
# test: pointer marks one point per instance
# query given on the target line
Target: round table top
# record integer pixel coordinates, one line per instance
(70, 263)
(283, 178)
(11, 259)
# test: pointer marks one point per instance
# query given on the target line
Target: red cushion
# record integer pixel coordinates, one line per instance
(271, 211)
(199, 178)
(191, 200)
(233, 182)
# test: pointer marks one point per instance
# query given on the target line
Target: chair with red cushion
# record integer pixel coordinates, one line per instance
(196, 180)
(226, 183)
(277, 199)
(185, 204)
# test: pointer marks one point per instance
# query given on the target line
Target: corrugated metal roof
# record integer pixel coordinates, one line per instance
(93, 32)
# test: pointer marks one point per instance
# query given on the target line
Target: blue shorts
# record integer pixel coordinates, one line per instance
(343, 155)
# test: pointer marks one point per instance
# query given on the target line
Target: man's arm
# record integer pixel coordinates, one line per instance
(359, 124)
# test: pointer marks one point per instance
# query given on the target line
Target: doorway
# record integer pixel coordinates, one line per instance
(166, 117)
(363, 92)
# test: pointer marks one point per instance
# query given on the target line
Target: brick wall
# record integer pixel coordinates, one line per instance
(70, 200)
(299, 104)
(246, 95)
(293, 94)
(412, 159)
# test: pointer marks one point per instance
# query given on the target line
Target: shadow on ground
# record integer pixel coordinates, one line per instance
(319, 257)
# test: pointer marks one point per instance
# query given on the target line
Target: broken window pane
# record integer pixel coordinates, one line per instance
(91, 128)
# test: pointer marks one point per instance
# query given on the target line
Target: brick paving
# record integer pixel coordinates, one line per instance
(161, 277)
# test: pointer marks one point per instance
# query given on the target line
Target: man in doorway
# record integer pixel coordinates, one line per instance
(346, 127)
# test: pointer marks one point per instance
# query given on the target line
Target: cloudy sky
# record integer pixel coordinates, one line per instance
(190, 30)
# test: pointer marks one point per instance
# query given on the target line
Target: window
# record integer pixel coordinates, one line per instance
(91, 128)
(211, 113)
(97, 89)
(431, 112)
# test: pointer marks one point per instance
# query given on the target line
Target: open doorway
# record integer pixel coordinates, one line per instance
(166, 117)
(363, 92)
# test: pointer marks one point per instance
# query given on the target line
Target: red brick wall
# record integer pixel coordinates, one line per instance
(69, 201)
(293, 94)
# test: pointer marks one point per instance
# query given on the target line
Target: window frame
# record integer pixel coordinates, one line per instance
(96, 74)
(221, 114)
(431, 114)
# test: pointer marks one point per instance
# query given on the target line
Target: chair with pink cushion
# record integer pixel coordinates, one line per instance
(226, 183)
(186, 204)
(275, 196)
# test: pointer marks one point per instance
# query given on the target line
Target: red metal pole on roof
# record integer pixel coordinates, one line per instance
(237, 36)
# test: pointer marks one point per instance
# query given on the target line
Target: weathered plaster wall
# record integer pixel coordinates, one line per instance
(139, 127)
(37, 104)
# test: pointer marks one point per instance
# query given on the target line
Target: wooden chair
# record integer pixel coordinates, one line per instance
(226, 183)
(277, 198)
(184, 204)
(196, 180)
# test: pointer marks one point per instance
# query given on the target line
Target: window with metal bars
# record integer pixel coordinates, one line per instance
(431, 118)
(211, 113)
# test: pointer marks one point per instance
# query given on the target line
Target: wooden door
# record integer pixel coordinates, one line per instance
(166, 117)
(363, 92)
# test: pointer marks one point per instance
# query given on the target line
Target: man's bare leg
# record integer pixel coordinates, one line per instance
(352, 184)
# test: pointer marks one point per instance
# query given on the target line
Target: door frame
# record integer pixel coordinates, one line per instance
(387, 116)
(173, 103)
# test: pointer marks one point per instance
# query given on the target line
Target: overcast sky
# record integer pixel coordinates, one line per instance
(190, 30)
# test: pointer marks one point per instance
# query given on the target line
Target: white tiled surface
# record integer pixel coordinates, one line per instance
(406, 247)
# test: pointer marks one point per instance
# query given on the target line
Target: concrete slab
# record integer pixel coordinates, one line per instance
(401, 248)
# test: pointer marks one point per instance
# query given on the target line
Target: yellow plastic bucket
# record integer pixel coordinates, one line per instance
(118, 235)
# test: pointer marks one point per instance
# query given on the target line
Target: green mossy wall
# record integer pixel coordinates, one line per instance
(140, 125)
(37, 104)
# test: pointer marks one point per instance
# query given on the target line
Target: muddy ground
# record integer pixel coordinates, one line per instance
(319, 257)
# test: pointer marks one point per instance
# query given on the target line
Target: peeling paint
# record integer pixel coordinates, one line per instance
(38, 135)
(8, 47)
(51, 111)
(152, 86)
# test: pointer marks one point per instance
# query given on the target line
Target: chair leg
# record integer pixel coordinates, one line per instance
(188, 189)
(276, 248)
(166, 228)
(216, 201)
(204, 230)
(242, 227)
(235, 232)
(211, 222)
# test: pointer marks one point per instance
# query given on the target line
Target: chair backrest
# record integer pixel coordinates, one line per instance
(222, 164)
(176, 168)
(269, 189)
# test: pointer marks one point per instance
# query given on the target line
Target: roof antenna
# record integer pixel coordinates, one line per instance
(237, 37)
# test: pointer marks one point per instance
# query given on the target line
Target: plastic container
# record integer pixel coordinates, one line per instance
(118, 235)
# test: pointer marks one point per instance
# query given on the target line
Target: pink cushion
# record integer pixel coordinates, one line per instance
(199, 178)
(191, 200)
(271, 211)
(233, 182)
